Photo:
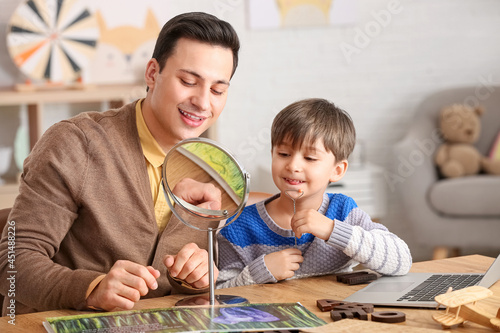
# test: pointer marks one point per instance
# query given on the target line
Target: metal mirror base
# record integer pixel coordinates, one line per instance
(205, 300)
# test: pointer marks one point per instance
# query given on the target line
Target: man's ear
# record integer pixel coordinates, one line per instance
(152, 72)
(339, 171)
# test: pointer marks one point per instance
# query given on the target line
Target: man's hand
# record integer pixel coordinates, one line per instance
(190, 265)
(124, 285)
(284, 263)
(310, 221)
(204, 195)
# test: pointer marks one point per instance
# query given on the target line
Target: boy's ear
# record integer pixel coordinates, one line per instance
(339, 171)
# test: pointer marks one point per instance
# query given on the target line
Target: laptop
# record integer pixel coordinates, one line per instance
(419, 289)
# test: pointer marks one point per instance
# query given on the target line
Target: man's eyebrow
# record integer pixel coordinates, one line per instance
(201, 77)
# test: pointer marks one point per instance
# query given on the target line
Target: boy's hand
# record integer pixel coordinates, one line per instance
(284, 263)
(310, 221)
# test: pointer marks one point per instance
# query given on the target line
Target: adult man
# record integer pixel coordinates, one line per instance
(92, 229)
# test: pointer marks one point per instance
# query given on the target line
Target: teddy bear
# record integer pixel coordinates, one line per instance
(460, 127)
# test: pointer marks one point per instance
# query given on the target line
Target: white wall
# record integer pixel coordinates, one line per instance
(425, 46)
(420, 47)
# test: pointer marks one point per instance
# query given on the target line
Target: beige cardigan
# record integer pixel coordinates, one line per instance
(85, 202)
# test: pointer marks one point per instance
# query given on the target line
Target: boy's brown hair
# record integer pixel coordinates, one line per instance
(313, 119)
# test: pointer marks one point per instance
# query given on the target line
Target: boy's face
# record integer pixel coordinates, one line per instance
(309, 168)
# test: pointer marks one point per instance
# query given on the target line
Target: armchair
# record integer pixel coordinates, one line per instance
(451, 213)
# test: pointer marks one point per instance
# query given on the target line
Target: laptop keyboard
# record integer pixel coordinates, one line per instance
(438, 284)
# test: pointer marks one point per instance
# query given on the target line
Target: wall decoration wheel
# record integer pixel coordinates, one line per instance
(52, 40)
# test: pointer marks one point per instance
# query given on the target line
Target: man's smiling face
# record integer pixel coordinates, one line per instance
(187, 97)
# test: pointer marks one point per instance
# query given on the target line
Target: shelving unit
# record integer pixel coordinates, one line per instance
(115, 95)
(365, 185)
(35, 100)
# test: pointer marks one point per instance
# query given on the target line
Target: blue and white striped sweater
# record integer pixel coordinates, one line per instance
(355, 239)
(251, 233)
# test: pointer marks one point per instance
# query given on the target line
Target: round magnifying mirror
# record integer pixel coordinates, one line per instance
(205, 161)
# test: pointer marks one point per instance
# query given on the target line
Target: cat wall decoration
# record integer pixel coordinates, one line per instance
(123, 50)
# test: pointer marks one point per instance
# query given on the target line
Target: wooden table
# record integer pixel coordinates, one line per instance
(307, 291)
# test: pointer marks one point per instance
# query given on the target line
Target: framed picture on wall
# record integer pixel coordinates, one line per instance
(269, 14)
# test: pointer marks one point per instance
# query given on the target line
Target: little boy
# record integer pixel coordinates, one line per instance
(311, 141)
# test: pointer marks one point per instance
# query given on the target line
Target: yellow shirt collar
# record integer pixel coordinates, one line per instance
(152, 150)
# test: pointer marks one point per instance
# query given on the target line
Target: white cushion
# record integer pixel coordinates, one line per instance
(467, 196)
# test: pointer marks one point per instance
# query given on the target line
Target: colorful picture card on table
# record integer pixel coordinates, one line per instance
(240, 318)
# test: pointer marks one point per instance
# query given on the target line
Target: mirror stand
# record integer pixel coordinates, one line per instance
(212, 298)
(205, 161)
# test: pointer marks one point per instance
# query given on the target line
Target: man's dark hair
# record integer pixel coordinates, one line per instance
(196, 26)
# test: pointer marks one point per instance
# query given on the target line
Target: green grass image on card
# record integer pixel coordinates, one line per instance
(239, 318)
(219, 162)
